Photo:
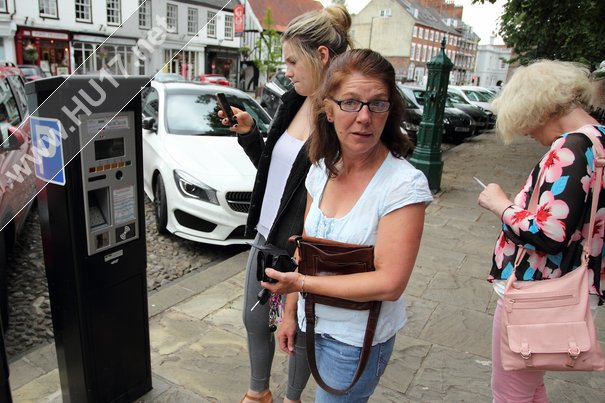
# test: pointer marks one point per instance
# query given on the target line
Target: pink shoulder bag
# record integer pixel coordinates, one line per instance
(548, 324)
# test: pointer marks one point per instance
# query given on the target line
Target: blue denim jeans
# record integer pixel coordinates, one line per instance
(337, 362)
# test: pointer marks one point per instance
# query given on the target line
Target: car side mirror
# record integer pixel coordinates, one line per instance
(11, 138)
(149, 123)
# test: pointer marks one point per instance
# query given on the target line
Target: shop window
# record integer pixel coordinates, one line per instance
(83, 12)
(114, 12)
(192, 21)
(84, 63)
(211, 25)
(52, 56)
(48, 8)
(145, 14)
(228, 27)
(172, 11)
(185, 62)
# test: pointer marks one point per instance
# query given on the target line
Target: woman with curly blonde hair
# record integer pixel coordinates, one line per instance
(548, 100)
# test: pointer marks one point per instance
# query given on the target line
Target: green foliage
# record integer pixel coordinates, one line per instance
(564, 30)
(268, 45)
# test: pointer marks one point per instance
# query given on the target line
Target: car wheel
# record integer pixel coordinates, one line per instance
(3, 283)
(159, 202)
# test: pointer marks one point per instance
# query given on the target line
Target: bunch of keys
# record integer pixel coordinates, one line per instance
(274, 307)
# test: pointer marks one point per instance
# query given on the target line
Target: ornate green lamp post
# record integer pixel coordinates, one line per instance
(427, 155)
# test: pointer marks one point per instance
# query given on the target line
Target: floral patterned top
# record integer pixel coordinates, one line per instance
(555, 234)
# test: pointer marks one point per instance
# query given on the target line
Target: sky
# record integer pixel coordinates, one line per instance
(482, 17)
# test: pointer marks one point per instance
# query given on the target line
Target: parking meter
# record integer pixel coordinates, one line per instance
(86, 133)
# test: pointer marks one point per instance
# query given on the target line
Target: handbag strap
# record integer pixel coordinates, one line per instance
(365, 349)
(599, 164)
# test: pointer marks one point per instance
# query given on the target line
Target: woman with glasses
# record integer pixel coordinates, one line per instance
(360, 190)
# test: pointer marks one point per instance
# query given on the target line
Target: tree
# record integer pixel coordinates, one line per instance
(564, 30)
(268, 45)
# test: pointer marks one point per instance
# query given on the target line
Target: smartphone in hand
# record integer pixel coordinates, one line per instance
(222, 100)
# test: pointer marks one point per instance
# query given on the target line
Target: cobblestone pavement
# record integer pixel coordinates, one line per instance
(30, 323)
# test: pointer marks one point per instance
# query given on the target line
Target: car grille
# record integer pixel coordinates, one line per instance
(239, 201)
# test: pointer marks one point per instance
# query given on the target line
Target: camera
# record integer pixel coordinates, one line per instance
(274, 257)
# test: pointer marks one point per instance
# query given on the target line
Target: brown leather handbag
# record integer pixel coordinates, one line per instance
(321, 257)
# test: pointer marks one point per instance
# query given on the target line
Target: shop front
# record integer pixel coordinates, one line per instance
(48, 49)
(223, 61)
(95, 53)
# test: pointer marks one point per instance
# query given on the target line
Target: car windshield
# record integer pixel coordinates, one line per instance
(169, 77)
(456, 98)
(419, 94)
(407, 95)
(478, 96)
(30, 71)
(195, 113)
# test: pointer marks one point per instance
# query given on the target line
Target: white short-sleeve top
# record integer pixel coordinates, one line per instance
(395, 184)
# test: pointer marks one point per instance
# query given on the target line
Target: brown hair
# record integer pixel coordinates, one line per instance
(324, 142)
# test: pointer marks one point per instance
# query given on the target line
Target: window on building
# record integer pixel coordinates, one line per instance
(415, 31)
(184, 62)
(385, 12)
(432, 36)
(172, 12)
(426, 34)
(502, 63)
(3, 8)
(420, 32)
(423, 54)
(83, 13)
(145, 14)
(114, 12)
(211, 26)
(413, 52)
(228, 27)
(192, 21)
(48, 8)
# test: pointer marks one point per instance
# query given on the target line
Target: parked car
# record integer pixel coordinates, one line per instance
(481, 117)
(273, 90)
(163, 77)
(197, 175)
(477, 98)
(31, 72)
(457, 125)
(17, 181)
(212, 79)
(413, 117)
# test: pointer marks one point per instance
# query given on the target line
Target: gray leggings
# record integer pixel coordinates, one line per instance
(261, 341)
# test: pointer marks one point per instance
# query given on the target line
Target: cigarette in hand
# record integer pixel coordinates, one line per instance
(479, 182)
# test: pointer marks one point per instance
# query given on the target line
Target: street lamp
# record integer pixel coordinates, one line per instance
(372, 26)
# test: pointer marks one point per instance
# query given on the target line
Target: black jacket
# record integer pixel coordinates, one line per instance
(290, 215)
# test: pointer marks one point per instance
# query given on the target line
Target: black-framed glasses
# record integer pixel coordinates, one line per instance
(355, 105)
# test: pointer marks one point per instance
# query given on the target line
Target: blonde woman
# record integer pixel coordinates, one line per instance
(547, 100)
(278, 199)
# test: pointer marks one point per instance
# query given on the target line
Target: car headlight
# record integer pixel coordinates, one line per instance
(446, 121)
(191, 187)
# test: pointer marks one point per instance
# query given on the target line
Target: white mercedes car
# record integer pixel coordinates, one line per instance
(197, 175)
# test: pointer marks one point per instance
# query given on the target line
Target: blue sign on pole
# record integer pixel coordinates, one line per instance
(48, 149)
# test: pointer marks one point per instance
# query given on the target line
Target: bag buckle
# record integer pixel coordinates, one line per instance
(525, 351)
(574, 353)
